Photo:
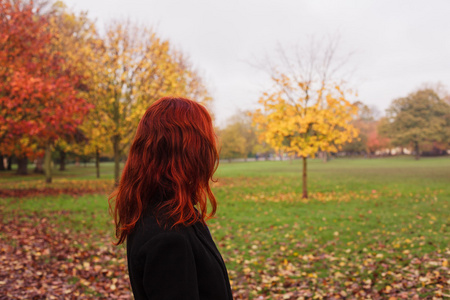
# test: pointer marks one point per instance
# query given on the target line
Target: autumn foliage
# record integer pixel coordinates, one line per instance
(301, 121)
(61, 82)
(38, 99)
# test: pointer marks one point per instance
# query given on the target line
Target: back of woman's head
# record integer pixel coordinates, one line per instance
(169, 167)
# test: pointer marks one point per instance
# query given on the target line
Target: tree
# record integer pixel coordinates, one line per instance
(238, 138)
(69, 143)
(307, 110)
(38, 99)
(362, 122)
(83, 50)
(375, 141)
(231, 141)
(138, 68)
(367, 124)
(421, 117)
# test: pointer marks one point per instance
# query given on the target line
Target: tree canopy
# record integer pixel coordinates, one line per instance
(307, 110)
(421, 117)
(38, 86)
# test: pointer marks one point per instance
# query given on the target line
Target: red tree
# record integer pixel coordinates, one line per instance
(375, 142)
(38, 99)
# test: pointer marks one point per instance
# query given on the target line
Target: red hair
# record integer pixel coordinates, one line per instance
(169, 168)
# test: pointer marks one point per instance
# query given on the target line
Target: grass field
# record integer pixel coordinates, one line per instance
(371, 229)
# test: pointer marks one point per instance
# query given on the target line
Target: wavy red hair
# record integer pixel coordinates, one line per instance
(169, 168)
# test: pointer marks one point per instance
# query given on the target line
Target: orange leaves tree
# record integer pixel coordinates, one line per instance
(306, 111)
(369, 140)
(38, 99)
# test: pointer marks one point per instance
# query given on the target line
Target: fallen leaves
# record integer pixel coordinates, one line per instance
(368, 276)
(336, 245)
(359, 245)
(41, 262)
(60, 186)
(31, 192)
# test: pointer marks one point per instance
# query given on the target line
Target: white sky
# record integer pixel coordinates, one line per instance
(398, 45)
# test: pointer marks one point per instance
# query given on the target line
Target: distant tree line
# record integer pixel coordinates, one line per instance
(418, 124)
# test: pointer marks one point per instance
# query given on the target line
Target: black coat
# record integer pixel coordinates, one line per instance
(176, 264)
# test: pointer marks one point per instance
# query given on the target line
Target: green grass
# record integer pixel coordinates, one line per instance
(389, 193)
(385, 210)
(88, 212)
(389, 199)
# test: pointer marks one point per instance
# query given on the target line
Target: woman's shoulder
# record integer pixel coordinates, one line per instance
(149, 229)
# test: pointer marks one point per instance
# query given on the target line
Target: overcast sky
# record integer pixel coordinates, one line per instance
(397, 45)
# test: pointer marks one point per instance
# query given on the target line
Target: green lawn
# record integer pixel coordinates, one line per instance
(371, 227)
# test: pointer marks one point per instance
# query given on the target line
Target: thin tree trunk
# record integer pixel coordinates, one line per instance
(39, 169)
(22, 164)
(9, 163)
(305, 188)
(116, 141)
(416, 146)
(97, 161)
(48, 163)
(325, 156)
(62, 162)
(2, 165)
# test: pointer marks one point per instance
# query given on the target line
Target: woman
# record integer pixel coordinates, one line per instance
(160, 205)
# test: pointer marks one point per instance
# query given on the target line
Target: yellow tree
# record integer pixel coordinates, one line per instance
(238, 138)
(232, 142)
(97, 124)
(306, 111)
(138, 67)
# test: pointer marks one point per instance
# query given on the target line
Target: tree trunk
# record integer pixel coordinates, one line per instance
(48, 163)
(62, 163)
(324, 156)
(97, 161)
(22, 164)
(39, 169)
(2, 165)
(416, 147)
(305, 188)
(116, 144)
(9, 163)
